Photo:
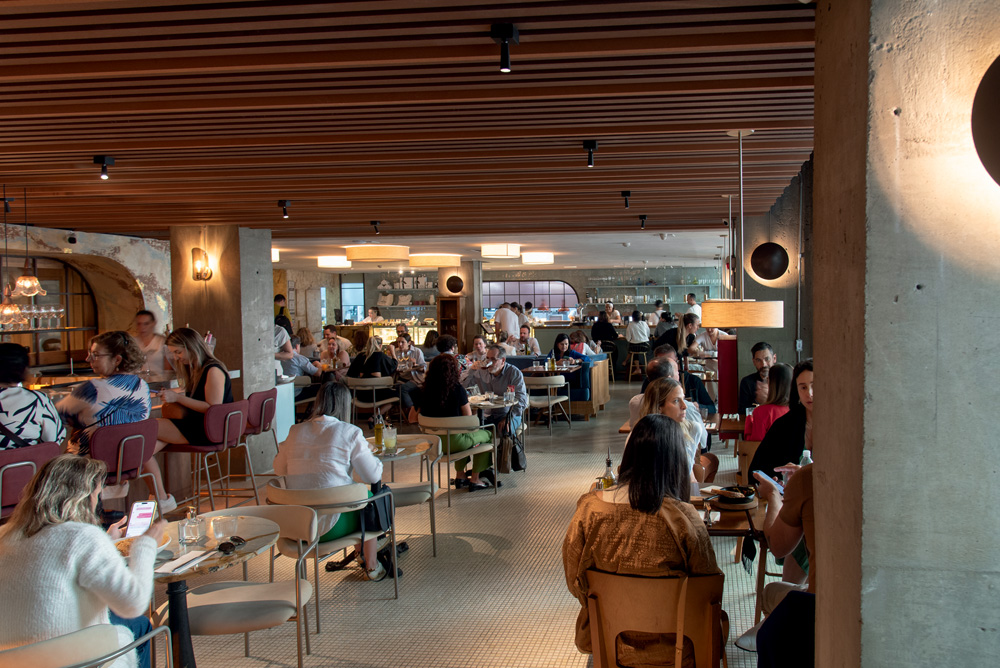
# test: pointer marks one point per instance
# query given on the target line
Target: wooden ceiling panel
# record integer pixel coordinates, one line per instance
(396, 111)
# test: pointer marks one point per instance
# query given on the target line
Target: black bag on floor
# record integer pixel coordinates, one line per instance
(376, 517)
(510, 450)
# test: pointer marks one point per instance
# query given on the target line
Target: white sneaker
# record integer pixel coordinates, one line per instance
(377, 574)
(167, 504)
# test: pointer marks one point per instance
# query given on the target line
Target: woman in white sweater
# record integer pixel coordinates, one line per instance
(61, 571)
(324, 451)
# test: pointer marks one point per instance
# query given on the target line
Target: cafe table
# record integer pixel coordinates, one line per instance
(407, 445)
(260, 535)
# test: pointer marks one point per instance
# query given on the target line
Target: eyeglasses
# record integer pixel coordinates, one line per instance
(230, 545)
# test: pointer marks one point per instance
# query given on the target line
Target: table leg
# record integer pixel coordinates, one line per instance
(761, 570)
(392, 471)
(179, 628)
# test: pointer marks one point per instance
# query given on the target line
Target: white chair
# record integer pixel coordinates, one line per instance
(223, 608)
(89, 647)
(332, 501)
(551, 385)
(444, 428)
(368, 387)
(418, 493)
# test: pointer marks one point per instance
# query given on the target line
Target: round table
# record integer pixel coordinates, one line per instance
(407, 445)
(260, 534)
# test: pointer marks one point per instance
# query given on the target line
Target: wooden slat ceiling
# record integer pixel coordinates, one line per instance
(397, 111)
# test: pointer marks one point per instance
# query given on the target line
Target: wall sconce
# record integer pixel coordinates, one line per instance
(199, 265)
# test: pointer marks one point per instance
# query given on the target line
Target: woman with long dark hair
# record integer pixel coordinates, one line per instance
(443, 396)
(642, 526)
(561, 349)
(790, 434)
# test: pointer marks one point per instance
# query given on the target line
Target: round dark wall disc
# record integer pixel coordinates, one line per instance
(986, 120)
(455, 283)
(769, 261)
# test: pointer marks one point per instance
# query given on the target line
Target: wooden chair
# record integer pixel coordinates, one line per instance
(224, 608)
(551, 385)
(688, 607)
(361, 387)
(444, 428)
(17, 467)
(91, 647)
(125, 448)
(224, 427)
(636, 360)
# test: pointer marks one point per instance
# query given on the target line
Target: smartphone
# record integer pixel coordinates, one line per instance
(781, 488)
(140, 518)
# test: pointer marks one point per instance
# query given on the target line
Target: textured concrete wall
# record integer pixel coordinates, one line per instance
(307, 285)
(782, 228)
(126, 273)
(906, 302)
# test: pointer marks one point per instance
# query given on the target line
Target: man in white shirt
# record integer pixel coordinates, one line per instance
(614, 317)
(653, 319)
(329, 334)
(505, 319)
(282, 344)
(478, 352)
(693, 305)
(526, 344)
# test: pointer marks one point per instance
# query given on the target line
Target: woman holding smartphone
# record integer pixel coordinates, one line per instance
(64, 572)
(206, 383)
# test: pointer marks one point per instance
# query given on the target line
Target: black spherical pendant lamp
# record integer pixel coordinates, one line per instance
(769, 261)
(985, 128)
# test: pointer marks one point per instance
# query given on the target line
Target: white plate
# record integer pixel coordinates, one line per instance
(164, 544)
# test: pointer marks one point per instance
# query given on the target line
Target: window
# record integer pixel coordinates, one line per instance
(544, 295)
(352, 299)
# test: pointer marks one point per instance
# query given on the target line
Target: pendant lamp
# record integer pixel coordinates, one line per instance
(27, 284)
(10, 313)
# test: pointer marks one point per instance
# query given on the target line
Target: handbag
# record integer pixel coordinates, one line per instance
(376, 517)
(510, 450)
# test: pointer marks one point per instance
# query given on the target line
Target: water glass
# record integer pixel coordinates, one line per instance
(389, 439)
(224, 527)
(508, 397)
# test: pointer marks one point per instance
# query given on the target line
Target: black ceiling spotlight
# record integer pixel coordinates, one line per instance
(6, 204)
(503, 34)
(284, 204)
(642, 222)
(626, 194)
(104, 161)
(590, 145)
(375, 224)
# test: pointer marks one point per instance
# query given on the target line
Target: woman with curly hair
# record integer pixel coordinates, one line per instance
(117, 396)
(443, 396)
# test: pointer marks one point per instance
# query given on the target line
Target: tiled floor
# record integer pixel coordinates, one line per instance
(495, 595)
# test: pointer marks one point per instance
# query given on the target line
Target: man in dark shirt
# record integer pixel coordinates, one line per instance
(282, 318)
(753, 388)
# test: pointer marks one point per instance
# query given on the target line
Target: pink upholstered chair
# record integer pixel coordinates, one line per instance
(17, 466)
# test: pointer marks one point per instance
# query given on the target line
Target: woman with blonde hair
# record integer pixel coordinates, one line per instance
(117, 396)
(63, 571)
(205, 382)
(665, 396)
(373, 363)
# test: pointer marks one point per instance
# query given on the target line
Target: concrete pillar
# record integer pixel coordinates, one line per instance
(236, 305)
(906, 271)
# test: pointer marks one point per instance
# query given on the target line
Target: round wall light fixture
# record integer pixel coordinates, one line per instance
(985, 128)
(769, 261)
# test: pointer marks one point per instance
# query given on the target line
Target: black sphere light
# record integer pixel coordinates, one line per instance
(769, 261)
(985, 128)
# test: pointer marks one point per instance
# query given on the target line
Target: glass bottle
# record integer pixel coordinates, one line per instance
(379, 427)
(608, 480)
(191, 528)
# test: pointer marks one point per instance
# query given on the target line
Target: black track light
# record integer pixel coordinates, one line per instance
(375, 224)
(590, 145)
(626, 194)
(6, 204)
(642, 222)
(284, 204)
(104, 161)
(503, 34)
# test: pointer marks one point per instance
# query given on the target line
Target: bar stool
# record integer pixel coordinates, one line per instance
(125, 448)
(634, 354)
(224, 425)
(611, 350)
(260, 415)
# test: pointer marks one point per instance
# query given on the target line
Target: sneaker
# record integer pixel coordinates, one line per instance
(378, 573)
(168, 504)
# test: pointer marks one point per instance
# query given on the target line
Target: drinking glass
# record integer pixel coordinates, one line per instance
(389, 439)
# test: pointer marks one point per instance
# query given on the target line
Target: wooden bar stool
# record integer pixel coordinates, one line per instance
(633, 363)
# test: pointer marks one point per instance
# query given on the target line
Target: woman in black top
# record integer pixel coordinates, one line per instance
(791, 433)
(373, 363)
(603, 330)
(206, 383)
(443, 396)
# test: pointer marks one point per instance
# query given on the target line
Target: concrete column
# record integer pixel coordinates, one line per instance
(906, 271)
(236, 305)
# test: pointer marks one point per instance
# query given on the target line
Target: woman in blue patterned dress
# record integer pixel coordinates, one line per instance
(118, 396)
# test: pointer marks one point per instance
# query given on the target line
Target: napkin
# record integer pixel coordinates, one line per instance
(189, 560)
